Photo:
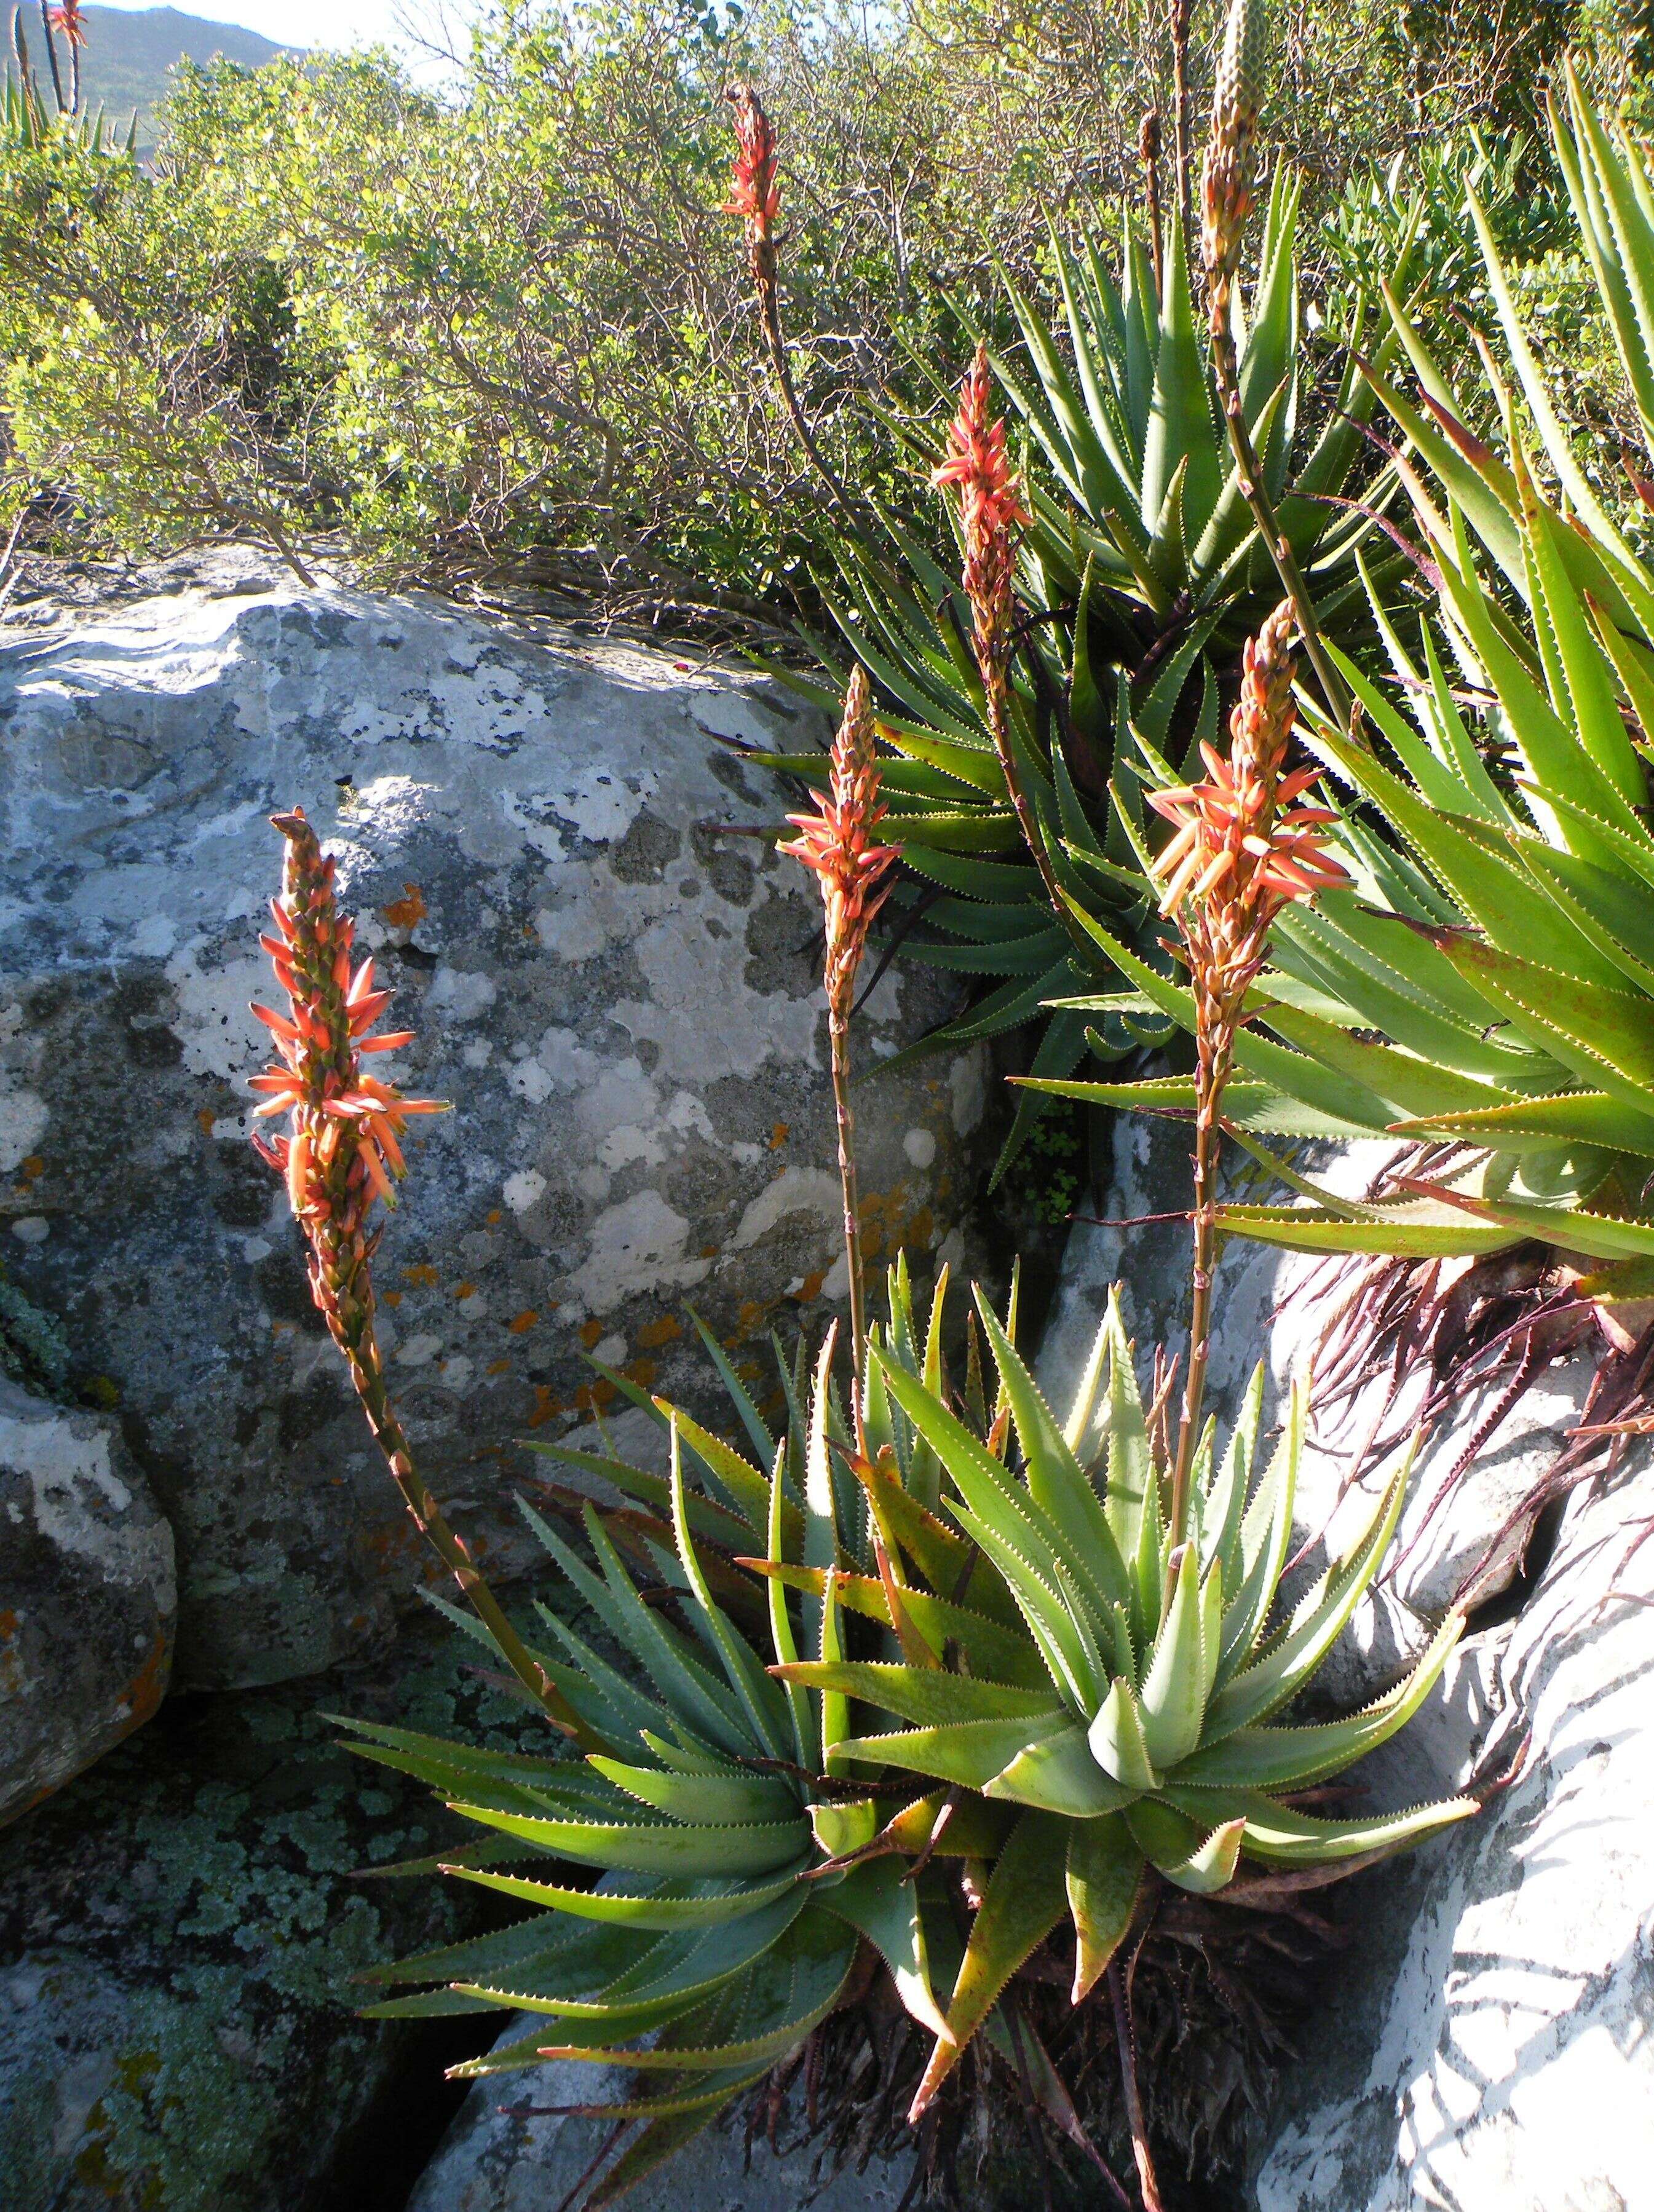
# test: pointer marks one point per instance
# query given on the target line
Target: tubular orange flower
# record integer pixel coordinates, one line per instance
(66, 18)
(838, 844)
(341, 1154)
(1239, 833)
(991, 514)
(342, 1150)
(755, 195)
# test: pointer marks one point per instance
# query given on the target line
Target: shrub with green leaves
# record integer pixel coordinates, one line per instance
(1091, 1714)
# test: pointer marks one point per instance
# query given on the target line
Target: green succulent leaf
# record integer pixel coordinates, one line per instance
(1026, 1897)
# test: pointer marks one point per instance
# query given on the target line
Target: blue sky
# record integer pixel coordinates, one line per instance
(328, 22)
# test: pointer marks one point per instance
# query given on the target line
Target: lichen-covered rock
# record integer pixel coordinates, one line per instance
(178, 1932)
(1488, 2046)
(623, 1004)
(87, 1596)
(1278, 1306)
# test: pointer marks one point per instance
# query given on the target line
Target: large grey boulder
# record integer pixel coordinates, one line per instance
(1279, 1306)
(1488, 2046)
(622, 1005)
(88, 1595)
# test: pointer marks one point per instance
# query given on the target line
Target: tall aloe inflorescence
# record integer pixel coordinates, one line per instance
(341, 1155)
(837, 845)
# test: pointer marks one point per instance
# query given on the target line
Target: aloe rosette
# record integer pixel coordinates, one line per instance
(1487, 984)
(1137, 1731)
(727, 1835)
(1085, 1711)
(1142, 569)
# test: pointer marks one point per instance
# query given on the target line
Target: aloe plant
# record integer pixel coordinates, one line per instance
(1141, 573)
(1093, 1711)
(1488, 984)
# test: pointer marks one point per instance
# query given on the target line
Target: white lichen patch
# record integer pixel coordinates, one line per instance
(795, 1190)
(637, 1246)
(215, 1027)
(23, 1118)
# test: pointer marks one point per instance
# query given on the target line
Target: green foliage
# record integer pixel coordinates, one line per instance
(1085, 1702)
(506, 332)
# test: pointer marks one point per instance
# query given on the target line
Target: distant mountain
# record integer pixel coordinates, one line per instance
(128, 53)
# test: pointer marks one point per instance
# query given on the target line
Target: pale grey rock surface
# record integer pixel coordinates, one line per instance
(498, 2157)
(1488, 2048)
(624, 1006)
(88, 1595)
(1276, 1305)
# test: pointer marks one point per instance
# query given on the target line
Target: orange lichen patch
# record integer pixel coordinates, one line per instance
(32, 1169)
(590, 1333)
(641, 1371)
(424, 1274)
(811, 1287)
(655, 1334)
(749, 1370)
(921, 1228)
(206, 1119)
(520, 1323)
(592, 1397)
(544, 1406)
(779, 1135)
(493, 1220)
(407, 911)
(390, 1298)
(708, 1251)
(143, 1694)
(497, 1367)
(464, 1289)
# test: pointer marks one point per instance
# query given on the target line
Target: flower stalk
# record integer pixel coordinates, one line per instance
(1149, 142)
(341, 1155)
(1244, 849)
(1180, 15)
(755, 195)
(838, 844)
(1228, 174)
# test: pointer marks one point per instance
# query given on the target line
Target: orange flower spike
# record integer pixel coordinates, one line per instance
(1243, 823)
(333, 1169)
(991, 512)
(838, 844)
(754, 193)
